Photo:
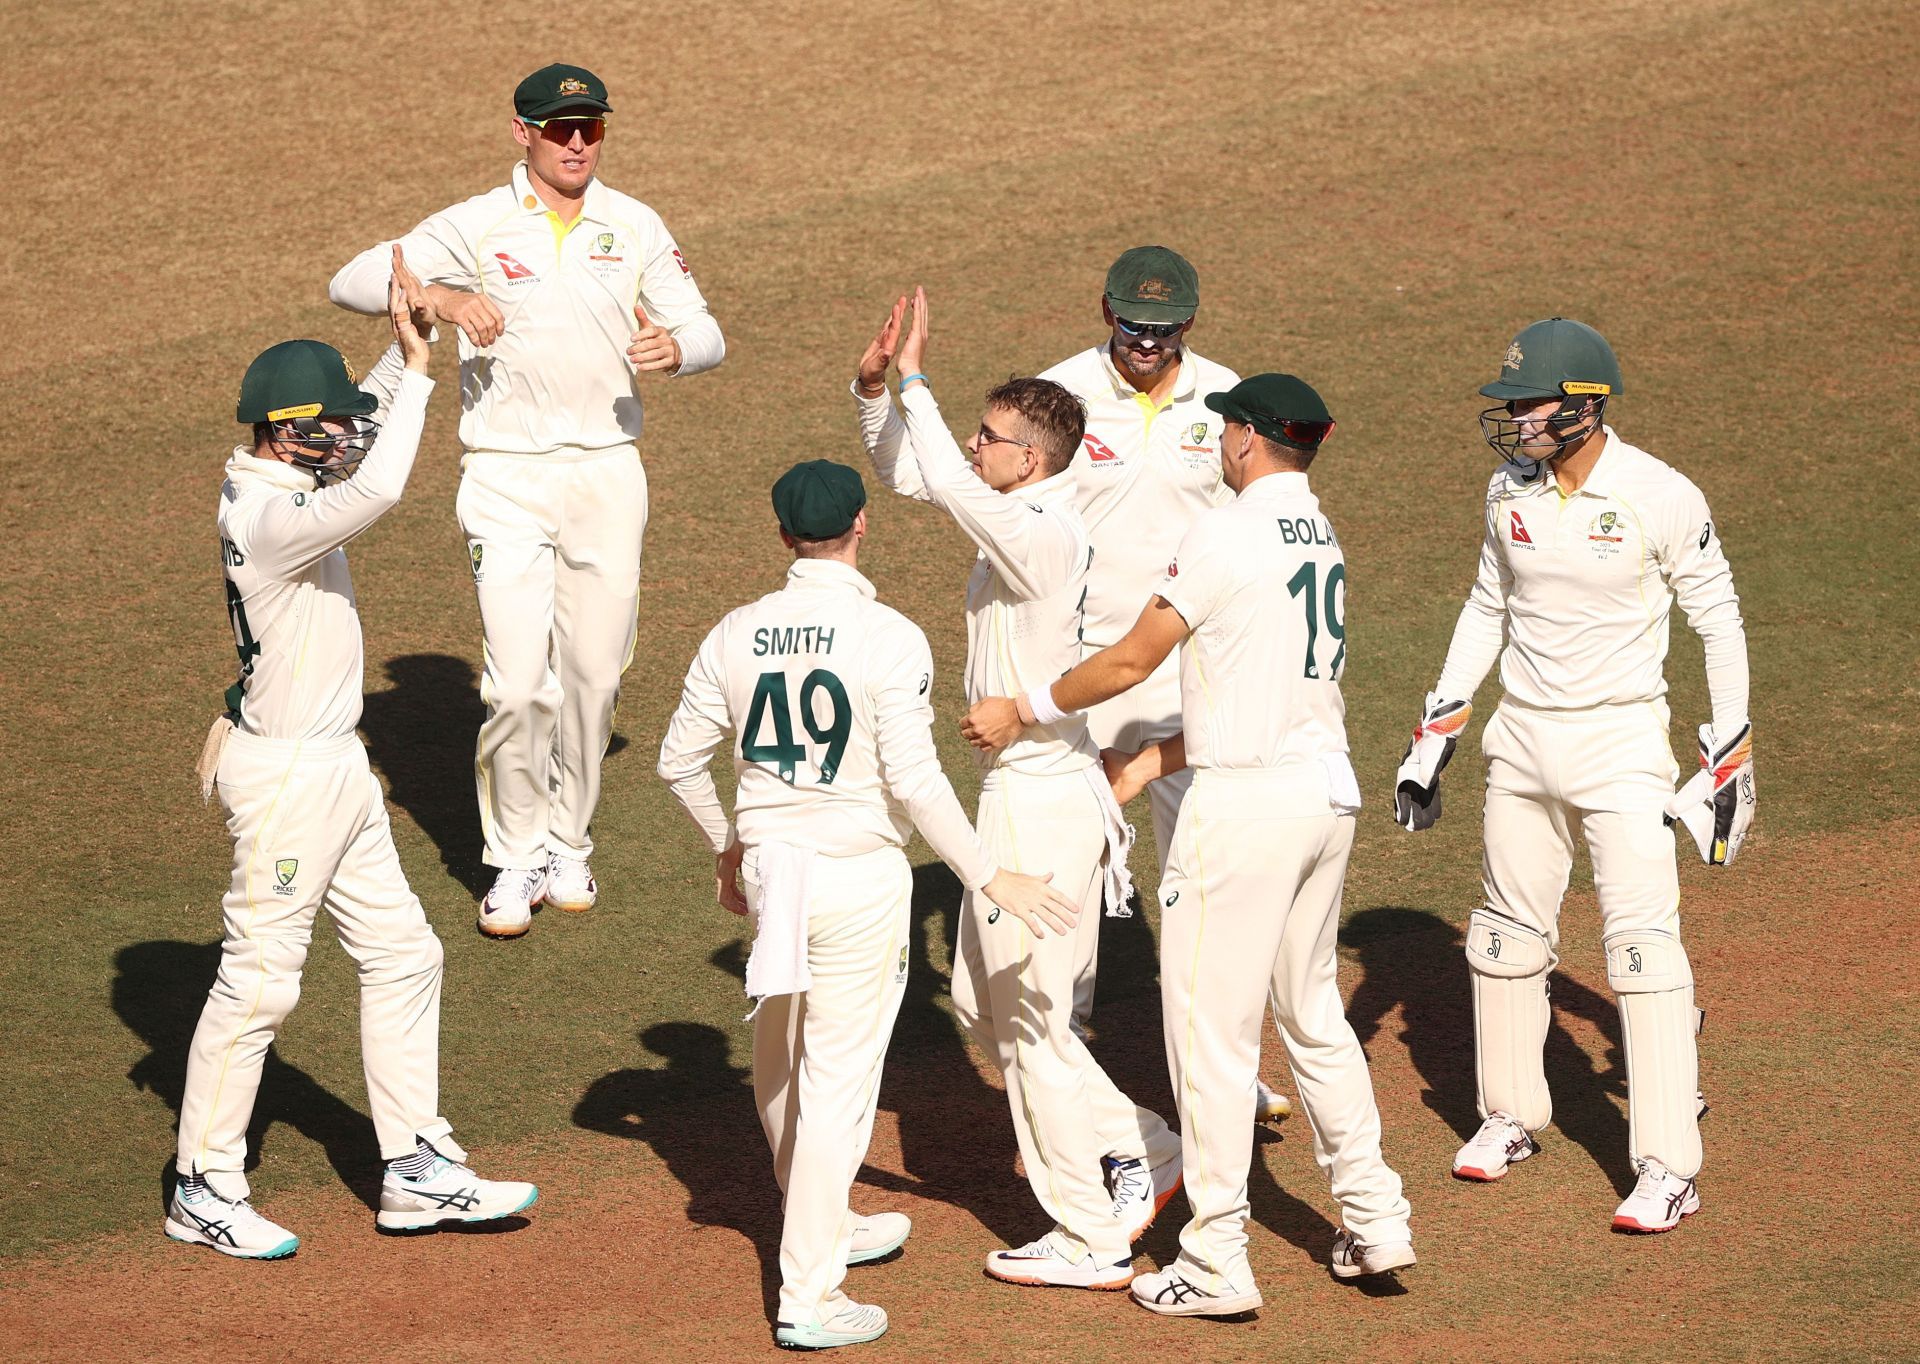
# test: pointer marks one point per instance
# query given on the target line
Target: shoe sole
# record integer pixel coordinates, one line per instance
(1204, 1307)
(401, 1223)
(1474, 1176)
(1362, 1271)
(1031, 1281)
(864, 1257)
(503, 933)
(803, 1338)
(570, 906)
(1158, 1203)
(1633, 1228)
(188, 1236)
(1280, 1108)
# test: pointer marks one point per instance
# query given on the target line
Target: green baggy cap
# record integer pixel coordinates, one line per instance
(1266, 402)
(1554, 358)
(300, 379)
(559, 86)
(1153, 284)
(818, 499)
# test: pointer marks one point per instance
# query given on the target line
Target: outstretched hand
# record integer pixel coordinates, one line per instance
(412, 316)
(913, 346)
(872, 374)
(653, 348)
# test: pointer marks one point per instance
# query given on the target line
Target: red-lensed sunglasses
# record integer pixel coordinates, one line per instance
(561, 130)
(1305, 435)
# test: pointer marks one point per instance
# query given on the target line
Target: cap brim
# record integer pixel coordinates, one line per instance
(1156, 313)
(1507, 393)
(554, 106)
(363, 406)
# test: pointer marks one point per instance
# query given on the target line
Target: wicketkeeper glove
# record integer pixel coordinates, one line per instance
(1416, 792)
(1716, 806)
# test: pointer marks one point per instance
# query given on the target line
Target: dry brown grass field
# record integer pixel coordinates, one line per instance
(1376, 196)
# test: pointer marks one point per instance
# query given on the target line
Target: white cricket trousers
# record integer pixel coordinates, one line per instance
(817, 1058)
(1604, 774)
(554, 543)
(1015, 995)
(1250, 914)
(310, 829)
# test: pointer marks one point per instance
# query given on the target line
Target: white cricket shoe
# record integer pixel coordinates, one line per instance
(507, 909)
(1500, 1142)
(447, 1192)
(877, 1235)
(854, 1324)
(201, 1217)
(1140, 1193)
(1171, 1295)
(1270, 1105)
(570, 884)
(1658, 1201)
(1352, 1258)
(1044, 1264)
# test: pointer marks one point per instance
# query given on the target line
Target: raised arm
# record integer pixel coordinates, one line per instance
(882, 431)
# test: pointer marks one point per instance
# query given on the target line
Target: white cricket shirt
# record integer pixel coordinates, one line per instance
(1025, 593)
(1582, 584)
(1143, 473)
(1261, 582)
(557, 380)
(289, 594)
(825, 694)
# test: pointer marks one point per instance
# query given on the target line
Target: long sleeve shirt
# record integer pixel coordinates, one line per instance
(557, 379)
(289, 595)
(822, 694)
(1028, 585)
(1144, 472)
(1574, 590)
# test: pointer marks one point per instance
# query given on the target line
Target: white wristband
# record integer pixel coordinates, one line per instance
(1040, 701)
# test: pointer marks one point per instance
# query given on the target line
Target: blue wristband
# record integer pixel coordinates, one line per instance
(906, 379)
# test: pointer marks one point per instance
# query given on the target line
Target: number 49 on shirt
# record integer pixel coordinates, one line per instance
(1304, 585)
(770, 706)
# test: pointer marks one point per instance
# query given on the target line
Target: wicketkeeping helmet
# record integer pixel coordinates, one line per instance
(1555, 358)
(305, 393)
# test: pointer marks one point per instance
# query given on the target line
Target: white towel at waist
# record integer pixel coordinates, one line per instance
(1119, 886)
(778, 963)
(1343, 788)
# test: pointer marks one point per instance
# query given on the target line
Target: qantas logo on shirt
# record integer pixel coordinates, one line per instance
(514, 269)
(1098, 452)
(681, 261)
(1518, 534)
(1173, 569)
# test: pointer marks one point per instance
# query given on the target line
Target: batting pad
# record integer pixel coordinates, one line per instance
(1649, 971)
(1509, 964)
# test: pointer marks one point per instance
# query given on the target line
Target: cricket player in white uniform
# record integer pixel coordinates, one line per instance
(827, 695)
(308, 820)
(1255, 600)
(564, 292)
(1151, 464)
(1045, 805)
(1589, 541)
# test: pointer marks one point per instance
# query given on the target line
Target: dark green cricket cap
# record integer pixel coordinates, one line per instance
(1267, 401)
(818, 499)
(300, 379)
(1153, 284)
(1554, 358)
(559, 86)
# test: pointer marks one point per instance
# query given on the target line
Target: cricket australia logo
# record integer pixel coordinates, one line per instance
(1198, 433)
(283, 872)
(474, 551)
(1514, 356)
(900, 971)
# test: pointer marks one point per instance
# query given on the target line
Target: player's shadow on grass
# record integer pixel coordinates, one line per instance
(697, 1113)
(158, 991)
(1414, 959)
(420, 734)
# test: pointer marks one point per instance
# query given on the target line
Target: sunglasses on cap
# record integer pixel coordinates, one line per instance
(591, 127)
(1159, 331)
(1305, 435)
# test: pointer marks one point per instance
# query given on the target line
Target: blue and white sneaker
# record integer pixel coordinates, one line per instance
(877, 1235)
(447, 1192)
(855, 1323)
(201, 1217)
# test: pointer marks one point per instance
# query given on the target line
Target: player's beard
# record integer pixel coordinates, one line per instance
(1140, 364)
